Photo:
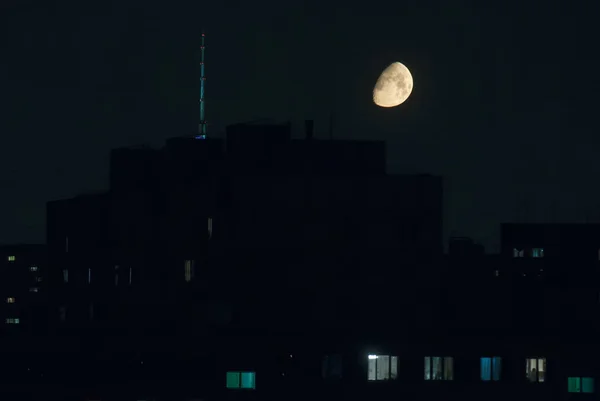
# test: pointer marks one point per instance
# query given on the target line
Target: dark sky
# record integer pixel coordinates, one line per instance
(504, 101)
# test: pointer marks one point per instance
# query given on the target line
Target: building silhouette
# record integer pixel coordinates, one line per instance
(295, 267)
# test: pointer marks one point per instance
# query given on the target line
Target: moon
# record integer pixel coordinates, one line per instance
(393, 86)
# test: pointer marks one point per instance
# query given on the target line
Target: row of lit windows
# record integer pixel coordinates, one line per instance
(385, 367)
(10, 320)
(533, 252)
(13, 258)
(65, 273)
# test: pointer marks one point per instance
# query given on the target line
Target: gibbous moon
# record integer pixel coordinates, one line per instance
(393, 86)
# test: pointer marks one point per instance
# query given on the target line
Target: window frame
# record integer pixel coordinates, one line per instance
(391, 360)
(580, 386)
(327, 362)
(537, 361)
(428, 362)
(493, 370)
(240, 374)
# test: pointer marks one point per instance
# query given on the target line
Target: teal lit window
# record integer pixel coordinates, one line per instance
(587, 384)
(537, 252)
(243, 380)
(248, 380)
(580, 384)
(490, 368)
(233, 380)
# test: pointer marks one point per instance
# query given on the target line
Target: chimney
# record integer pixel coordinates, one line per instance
(308, 124)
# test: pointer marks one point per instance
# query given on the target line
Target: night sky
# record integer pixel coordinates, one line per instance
(504, 104)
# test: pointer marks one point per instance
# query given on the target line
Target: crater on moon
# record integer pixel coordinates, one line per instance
(393, 86)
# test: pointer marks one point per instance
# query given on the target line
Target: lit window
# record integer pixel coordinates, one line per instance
(535, 369)
(188, 268)
(12, 258)
(243, 380)
(580, 384)
(11, 320)
(537, 252)
(10, 300)
(382, 367)
(33, 289)
(332, 367)
(490, 368)
(439, 368)
(518, 253)
(33, 268)
(65, 275)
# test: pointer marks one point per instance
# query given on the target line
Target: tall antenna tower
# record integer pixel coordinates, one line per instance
(202, 126)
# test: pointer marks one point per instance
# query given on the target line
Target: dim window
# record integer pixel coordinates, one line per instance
(188, 268)
(12, 258)
(210, 227)
(518, 253)
(33, 268)
(439, 368)
(382, 367)
(65, 275)
(33, 289)
(535, 370)
(537, 252)
(11, 320)
(332, 367)
(62, 313)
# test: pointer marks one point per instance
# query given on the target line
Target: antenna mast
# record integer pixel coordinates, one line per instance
(202, 126)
